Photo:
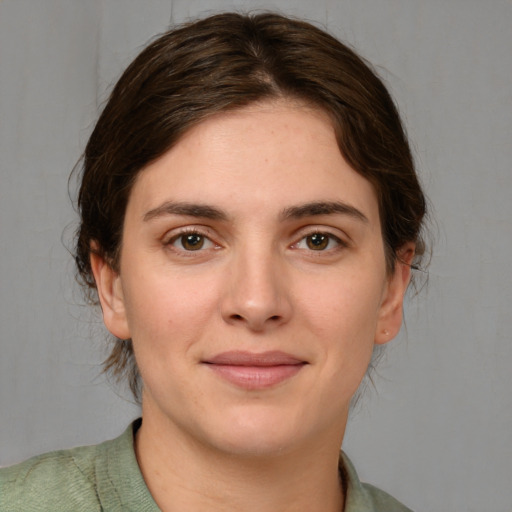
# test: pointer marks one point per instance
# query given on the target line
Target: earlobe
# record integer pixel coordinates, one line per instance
(110, 293)
(391, 309)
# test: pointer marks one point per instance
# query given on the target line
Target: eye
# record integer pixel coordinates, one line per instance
(190, 242)
(319, 242)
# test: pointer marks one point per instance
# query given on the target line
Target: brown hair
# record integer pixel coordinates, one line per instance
(221, 63)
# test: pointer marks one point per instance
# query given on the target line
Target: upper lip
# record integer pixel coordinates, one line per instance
(243, 358)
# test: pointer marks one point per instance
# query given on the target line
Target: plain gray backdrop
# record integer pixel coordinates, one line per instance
(437, 431)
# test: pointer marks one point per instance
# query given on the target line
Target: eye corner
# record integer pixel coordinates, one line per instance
(320, 241)
(189, 241)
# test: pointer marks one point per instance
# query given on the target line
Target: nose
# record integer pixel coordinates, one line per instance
(257, 292)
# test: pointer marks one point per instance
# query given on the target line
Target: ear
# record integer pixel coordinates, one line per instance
(391, 308)
(110, 293)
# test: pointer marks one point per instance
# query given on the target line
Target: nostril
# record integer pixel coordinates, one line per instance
(238, 317)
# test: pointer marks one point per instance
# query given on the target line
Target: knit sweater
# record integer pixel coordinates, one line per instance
(106, 477)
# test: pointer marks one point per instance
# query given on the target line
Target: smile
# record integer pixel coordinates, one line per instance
(253, 371)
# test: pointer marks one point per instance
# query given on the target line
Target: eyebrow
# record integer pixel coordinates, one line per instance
(317, 208)
(188, 209)
(312, 209)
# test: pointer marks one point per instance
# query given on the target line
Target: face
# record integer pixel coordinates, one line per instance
(252, 281)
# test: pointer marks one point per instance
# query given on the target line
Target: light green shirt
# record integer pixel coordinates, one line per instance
(106, 477)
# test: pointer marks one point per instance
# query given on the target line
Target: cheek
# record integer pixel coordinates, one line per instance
(167, 311)
(348, 305)
(342, 316)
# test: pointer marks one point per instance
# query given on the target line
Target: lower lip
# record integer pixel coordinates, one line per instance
(256, 377)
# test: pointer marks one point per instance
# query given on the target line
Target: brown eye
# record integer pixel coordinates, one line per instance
(317, 241)
(320, 242)
(192, 241)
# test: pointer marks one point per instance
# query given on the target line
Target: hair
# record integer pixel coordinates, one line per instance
(223, 63)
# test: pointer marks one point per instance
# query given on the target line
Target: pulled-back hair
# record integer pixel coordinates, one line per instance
(221, 63)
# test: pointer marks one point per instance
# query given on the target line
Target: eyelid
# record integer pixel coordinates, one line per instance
(339, 244)
(171, 236)
(335, 233)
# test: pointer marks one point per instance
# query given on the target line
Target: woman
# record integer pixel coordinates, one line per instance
(250, 214)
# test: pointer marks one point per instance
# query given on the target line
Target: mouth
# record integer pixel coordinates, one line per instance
(255, 371)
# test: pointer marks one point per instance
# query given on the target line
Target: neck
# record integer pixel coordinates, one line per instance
(183, 474)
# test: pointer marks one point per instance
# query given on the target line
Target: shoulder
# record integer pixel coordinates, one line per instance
(46, 481)
(362, 497)
(77, 479)
(381, 500)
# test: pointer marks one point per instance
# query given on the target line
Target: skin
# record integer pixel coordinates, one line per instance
(250, 278)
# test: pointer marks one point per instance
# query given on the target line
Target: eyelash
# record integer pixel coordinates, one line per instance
(187, 232)
(339, 243)
(206, 238)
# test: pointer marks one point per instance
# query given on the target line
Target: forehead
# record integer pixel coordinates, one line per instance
(271, 154)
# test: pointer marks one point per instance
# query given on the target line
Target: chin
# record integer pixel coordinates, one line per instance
(258, 434)
(256, 444)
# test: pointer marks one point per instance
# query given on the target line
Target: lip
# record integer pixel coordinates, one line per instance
(254, 371)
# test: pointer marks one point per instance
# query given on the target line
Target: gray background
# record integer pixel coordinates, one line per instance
(437, 432)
